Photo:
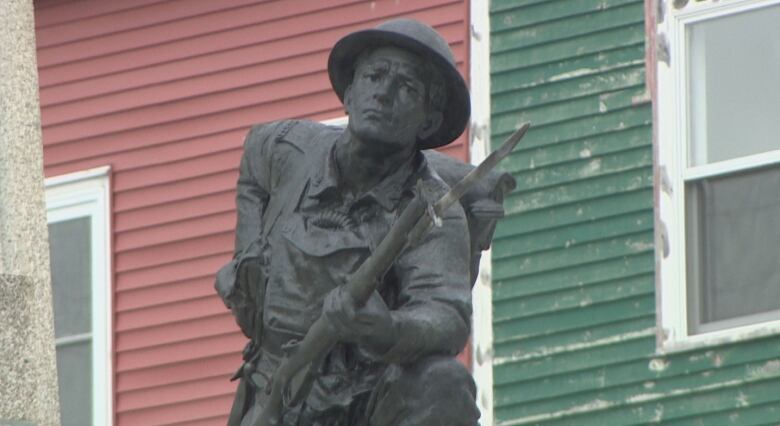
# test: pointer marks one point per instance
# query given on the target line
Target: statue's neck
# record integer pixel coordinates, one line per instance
(362, 165)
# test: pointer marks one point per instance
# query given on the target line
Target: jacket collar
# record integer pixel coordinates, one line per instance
(324, 179)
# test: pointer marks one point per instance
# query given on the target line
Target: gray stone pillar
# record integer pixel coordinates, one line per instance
(28, 375)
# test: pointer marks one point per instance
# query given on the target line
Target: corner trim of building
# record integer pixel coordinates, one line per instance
(479, 145)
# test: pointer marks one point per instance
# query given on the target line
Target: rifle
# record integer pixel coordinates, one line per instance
(294, 372)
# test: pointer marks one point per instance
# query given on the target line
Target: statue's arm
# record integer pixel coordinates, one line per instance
(434, 315)
(252, 191)
(252, 194)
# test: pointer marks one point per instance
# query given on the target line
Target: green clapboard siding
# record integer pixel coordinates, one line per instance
(574, 315)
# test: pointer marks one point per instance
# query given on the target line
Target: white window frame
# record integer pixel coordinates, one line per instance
(87, 194)
(672, 172)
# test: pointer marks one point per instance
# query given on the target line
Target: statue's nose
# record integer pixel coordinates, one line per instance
(383, 90)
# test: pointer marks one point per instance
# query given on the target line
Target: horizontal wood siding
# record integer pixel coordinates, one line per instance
(164, 92)
(573, 264)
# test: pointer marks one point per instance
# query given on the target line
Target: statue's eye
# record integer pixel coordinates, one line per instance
(411, 88)
(373, 76)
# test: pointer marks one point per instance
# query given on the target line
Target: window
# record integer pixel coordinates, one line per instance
(77, 212)
(719, 163)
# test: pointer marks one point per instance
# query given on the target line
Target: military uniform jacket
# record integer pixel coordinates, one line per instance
(309, 236)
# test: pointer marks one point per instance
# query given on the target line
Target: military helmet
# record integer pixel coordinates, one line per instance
(422, 40)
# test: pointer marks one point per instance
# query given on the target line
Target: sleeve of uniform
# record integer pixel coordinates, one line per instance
(252, 192)
(435, 294)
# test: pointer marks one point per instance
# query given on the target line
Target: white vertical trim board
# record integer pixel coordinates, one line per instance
(87, 194)
(479, 145)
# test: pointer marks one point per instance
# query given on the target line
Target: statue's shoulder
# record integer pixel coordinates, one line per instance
(486, 197)
(274, 151)
(286, 135)
(483, 204)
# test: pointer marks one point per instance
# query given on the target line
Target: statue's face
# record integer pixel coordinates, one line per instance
(387, 101)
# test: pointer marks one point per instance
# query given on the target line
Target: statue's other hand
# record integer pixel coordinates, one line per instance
(370, 326)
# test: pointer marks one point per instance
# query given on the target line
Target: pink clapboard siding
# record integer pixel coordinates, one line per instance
(163, 92)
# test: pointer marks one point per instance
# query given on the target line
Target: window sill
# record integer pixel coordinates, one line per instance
(717, 338)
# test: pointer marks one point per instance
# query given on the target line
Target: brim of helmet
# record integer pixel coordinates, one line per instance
(457, 107)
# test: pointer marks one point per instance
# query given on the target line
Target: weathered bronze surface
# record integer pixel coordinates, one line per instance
(316, 202)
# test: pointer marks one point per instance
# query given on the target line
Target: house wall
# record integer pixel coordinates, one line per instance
(573, 264)
(163, 92)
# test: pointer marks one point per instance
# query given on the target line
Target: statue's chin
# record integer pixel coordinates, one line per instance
(380, 139)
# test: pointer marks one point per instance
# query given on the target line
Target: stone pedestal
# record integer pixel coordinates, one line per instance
(28, 376)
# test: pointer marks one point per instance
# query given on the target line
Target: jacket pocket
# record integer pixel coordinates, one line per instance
(322, 242)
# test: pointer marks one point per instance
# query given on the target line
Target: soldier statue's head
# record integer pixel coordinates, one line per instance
(400, 85)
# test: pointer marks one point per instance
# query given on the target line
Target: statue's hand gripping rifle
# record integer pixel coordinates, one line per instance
(292, 379)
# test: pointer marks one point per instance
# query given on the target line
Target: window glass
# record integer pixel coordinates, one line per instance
(734, 86)
(74, 363)
(69, 247)
(733, 231)
(71, 272)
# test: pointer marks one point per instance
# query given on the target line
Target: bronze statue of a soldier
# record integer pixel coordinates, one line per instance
(315, 201)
